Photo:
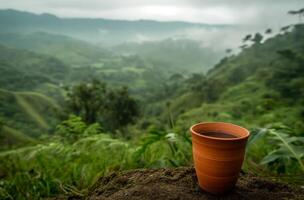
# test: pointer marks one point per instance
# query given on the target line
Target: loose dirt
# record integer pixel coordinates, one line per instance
(181, 183)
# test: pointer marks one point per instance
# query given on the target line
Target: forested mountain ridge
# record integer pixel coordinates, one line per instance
(172, 54)
(106, 31)
(75, 52)
(25, 70)
(30, 89)
(26, 115)
(259, 86)
(178, 55)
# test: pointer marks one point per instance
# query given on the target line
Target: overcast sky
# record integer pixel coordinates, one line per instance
(249, 12)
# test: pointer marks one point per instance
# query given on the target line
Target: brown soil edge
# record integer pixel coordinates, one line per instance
(181, 183)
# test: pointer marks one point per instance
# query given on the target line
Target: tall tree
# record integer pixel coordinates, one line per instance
(257, 39)
(94, 102)
(284, 29)
(86, 100)
(247, 38)
(268, 31)
(121, 109)
(299, 12)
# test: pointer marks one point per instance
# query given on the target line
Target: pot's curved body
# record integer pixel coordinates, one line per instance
(217, 159)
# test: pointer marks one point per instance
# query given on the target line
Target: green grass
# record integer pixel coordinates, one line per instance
(46, 170)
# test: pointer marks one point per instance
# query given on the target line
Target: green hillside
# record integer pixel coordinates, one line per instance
(106, 31)
(69, 50)
(262, 85)
(178, 55)
(69, 61)
(23, 70)
(11, 138)
(26, 79)
(31, 113)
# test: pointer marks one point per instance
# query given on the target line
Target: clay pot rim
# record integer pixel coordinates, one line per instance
(247, 133)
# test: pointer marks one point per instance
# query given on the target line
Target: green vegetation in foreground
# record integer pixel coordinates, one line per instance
(70, 168)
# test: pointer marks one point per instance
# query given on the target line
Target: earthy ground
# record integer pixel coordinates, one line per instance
(181, 183)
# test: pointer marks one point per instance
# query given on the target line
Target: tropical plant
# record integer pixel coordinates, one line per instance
(74, 128)
(286, 148)
(160, 149)
(47, 170)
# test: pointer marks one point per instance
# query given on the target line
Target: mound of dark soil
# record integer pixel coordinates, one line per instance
(181, 183)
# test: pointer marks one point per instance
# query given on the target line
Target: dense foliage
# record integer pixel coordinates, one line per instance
(95, 102)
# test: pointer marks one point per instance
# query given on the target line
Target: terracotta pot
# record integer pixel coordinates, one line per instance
(218, 154)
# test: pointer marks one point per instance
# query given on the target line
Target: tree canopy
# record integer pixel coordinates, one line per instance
(95, 102)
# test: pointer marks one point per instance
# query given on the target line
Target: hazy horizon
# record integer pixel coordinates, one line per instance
(258, 13)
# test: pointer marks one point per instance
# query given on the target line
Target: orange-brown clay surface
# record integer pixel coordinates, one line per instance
(218, 157)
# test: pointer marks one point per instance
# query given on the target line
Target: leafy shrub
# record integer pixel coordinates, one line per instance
(60, 168)
(70, 168)
(161, 149)
(74, 128)
(287, 150)
(94, 102)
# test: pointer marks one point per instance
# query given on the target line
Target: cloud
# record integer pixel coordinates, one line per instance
(261, 13)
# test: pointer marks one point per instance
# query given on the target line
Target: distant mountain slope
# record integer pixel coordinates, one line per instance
(67, 49)
(25, 70)
(32, 103)
(261, 85)
(180, 54)
(262, 61)
(10, 137)
(176, 54)
(102, 30)
(28, 112)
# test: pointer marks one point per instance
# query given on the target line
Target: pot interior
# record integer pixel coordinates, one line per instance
(220, 130)
(219, 134)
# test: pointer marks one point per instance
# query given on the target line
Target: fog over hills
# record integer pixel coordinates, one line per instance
(105, 31)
